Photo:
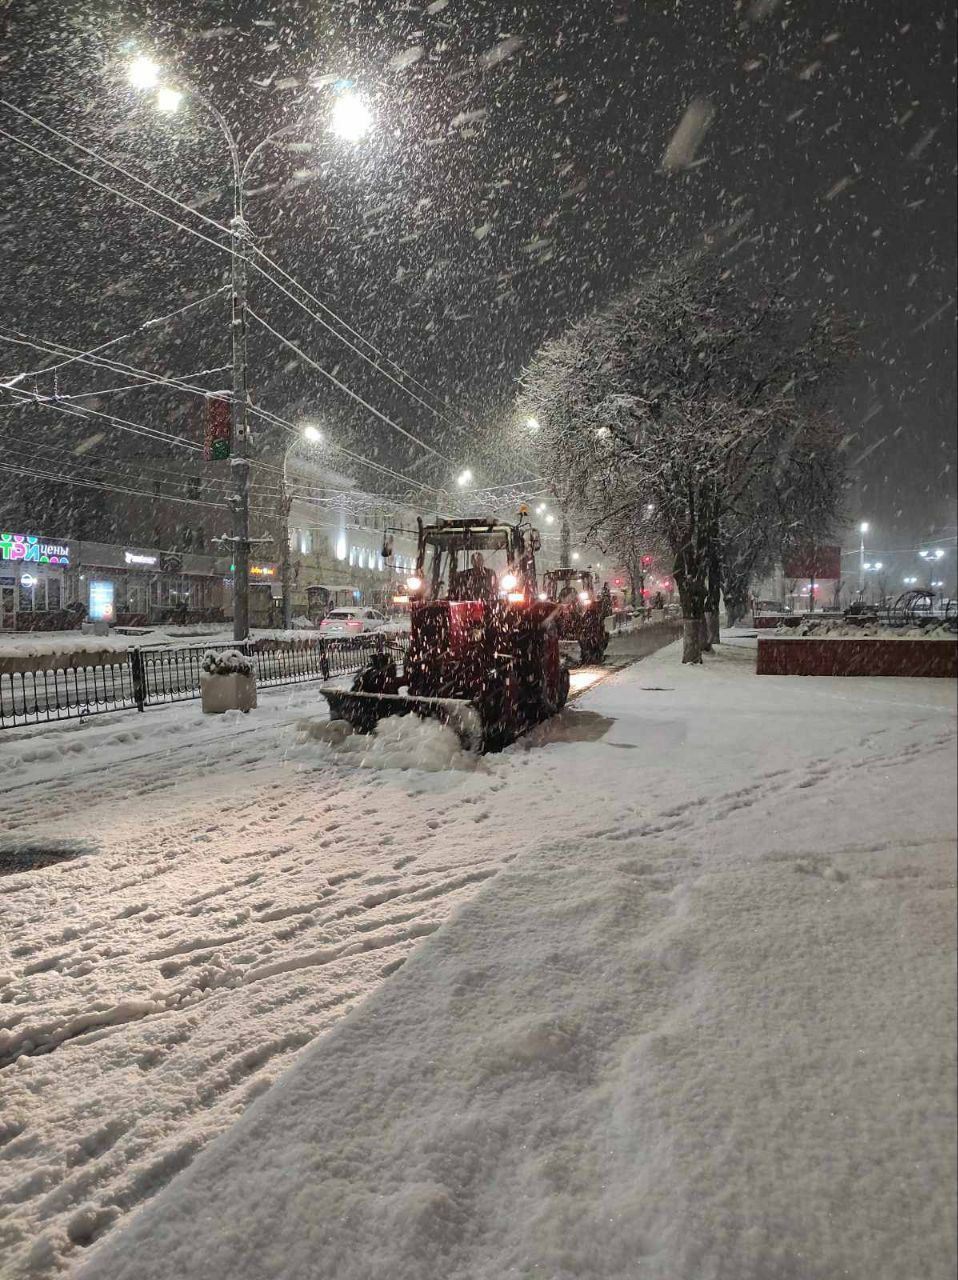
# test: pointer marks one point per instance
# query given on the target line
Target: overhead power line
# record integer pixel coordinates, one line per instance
(211, 222)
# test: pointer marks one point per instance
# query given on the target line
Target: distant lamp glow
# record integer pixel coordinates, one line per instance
(143, 73)
(312, 434)
(550, 519)
(540, 509)
(341, 547)
(464, 478)
(863, 527)
(509, 582)
(533, 424)
(168, 100)
(575, 555)
(352, 119)
(414, 583)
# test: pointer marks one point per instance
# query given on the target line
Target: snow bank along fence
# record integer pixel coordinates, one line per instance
(63, 686)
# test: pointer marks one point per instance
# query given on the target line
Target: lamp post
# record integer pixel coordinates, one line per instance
(862, 529)
(351, 119)
(931, 558)
(311, 435)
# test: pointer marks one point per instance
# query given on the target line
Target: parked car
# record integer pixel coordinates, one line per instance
(351, 622)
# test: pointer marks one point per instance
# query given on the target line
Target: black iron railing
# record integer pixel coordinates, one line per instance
(33, 691)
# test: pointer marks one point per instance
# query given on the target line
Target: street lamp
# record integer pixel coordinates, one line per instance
(143, 73)
(533, 424)
(168, 100)
(464, 478)
(862, 529)
(351, 120)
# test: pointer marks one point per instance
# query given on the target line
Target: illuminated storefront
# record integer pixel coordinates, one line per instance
(34, 575)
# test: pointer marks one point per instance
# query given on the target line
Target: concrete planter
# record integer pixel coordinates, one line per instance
(850, 656)
(227, 693)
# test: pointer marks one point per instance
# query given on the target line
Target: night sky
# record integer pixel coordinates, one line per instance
(514, 180)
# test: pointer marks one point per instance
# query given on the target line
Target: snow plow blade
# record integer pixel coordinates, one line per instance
(363, 710)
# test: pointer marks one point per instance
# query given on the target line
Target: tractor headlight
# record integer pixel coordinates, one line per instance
(509, 582)
(584, 597)
(414, 583)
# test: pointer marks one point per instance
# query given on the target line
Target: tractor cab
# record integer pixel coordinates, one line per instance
(569, 587)
(481, 560)
(572, 594)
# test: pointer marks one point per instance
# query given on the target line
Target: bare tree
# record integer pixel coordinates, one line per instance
(690, 395)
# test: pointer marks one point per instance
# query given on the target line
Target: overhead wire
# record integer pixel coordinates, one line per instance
(266, 258)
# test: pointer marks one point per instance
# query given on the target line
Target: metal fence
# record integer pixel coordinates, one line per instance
(52, 688)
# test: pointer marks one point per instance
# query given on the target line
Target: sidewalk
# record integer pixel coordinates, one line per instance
(701, 1026)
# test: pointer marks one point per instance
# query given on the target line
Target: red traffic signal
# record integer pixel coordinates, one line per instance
(219, 430)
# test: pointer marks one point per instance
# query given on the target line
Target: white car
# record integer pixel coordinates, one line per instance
(350, 622)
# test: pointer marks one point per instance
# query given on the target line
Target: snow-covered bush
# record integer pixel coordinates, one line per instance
(227, 662)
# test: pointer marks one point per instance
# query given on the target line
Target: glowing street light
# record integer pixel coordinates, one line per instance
(143, 73)
(312, 434)
(533, 424)
(863, 527)
(550, 519)
(352, 119)
(464, 478)
(541, 509)
(575, 555)
(168, 100)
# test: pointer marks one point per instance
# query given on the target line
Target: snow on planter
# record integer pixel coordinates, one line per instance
(227, 682)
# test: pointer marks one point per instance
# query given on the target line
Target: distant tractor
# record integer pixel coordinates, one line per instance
(483, 653)
(578, 610)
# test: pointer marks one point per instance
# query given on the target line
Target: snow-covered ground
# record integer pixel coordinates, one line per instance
(665, 990)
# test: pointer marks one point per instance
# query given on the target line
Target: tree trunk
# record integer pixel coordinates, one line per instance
(736, 607)
(692, 641)
(713, 627)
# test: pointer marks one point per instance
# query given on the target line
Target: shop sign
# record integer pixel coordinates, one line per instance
(143, 561)
(259, 570)
(101, 601)
(28, 548)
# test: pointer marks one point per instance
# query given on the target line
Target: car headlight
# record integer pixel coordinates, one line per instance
(509, 582)
(414, 583)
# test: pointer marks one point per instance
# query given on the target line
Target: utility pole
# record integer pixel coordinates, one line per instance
(286, 503)
(240, 456)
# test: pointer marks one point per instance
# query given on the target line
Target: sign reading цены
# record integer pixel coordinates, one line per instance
(28, 547)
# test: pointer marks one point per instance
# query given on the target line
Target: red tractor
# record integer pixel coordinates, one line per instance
(572, 594)
(483, 653)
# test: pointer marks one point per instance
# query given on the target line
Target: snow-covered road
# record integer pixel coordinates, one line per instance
(245, 888)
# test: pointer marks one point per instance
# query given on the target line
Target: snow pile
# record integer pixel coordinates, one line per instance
(226, 662)
(838, 629)
(396, 742)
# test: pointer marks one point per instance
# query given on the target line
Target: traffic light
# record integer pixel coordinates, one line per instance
(219, 430)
